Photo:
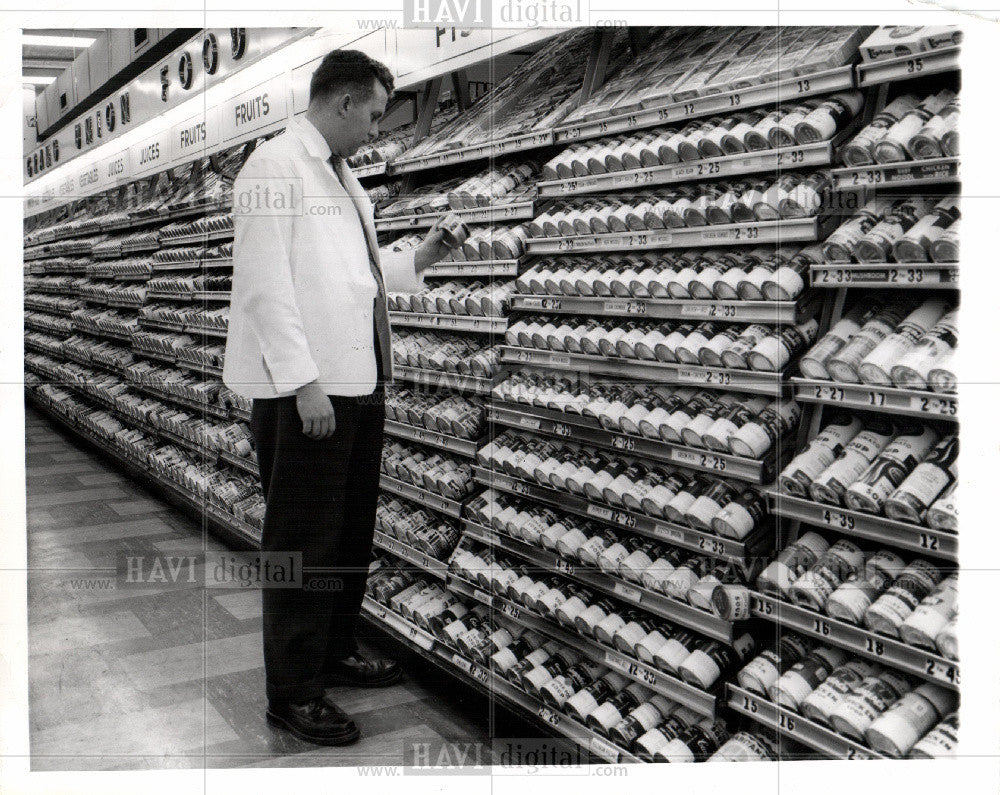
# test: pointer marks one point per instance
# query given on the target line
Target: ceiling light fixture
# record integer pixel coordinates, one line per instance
(62, 42)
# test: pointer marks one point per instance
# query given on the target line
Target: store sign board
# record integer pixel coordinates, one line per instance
(153, 154)
(115, 169)
(259, 107)
(66, 187)
(195, 135)
(420, 54)
(172, 80)
(89, 180)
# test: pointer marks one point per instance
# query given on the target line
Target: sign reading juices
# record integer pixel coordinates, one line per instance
(153, 154)
(115, 169)
(255, 109)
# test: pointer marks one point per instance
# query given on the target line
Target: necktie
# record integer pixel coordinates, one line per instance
(383, 337)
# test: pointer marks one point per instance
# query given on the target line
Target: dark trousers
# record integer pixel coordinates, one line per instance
(321, 498)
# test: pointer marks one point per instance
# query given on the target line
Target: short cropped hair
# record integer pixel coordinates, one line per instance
(350, 69)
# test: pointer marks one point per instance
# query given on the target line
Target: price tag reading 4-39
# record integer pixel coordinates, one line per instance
(837, 519)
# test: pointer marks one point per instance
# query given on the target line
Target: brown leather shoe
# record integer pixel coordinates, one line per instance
(361, 672)
(318, 721)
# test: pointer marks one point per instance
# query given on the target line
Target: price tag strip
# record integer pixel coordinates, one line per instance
(934, 171)
(862, 525)
(496, 267)
(660, 372)
(794, 726)
(214, 411)
(463, 447)
(665, 309)
(786, 231)
(239, 462)
(463, 383)
(819, 154)
(903, 275)
(857, 639)
(518, 143)
(551, 422)
(907, 67)
(839, 79)
(421, 560)
(475, 323)
(369, 170)
(472, 215)
(200, 237)
(428, 499)
(196, 367)
(911, 402)
(410, 632)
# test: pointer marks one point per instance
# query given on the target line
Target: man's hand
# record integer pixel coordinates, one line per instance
(431, 250)
(316, 411)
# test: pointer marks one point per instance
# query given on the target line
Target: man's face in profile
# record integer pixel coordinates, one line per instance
(361, 123)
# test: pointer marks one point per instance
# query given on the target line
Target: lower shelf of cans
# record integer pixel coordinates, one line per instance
(652, 602)
(683, 537)
(902, 535)
(791, 725)
(701, 701)
(858, 640)
(411, 554)
(230, 526)
(495, 686)
(426, 498)
(462, 447)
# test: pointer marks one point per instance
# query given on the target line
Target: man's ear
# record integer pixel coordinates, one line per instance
(344, 104)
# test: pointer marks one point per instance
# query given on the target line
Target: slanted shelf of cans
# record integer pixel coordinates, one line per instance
(144, 361)
(884, 340)
(552, 674)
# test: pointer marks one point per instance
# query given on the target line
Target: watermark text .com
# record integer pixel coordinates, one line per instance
(279, 196)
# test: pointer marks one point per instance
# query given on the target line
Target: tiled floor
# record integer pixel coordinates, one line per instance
(164, 676)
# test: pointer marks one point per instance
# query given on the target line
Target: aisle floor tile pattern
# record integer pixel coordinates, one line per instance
(171, 676)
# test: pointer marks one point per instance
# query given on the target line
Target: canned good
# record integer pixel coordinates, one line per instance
(932, 615)
(943, 514)
(822, 451)
(874, 695)
(870, 491)
(841, 682)
(731, 601)
(454, 231)
(795, 559)
(941, 742)
(801, 679)
(860, 151)
(762, 672)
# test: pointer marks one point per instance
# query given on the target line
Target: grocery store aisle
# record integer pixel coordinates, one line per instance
(156, 676)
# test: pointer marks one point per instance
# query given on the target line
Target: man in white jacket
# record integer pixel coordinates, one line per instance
(309, 343)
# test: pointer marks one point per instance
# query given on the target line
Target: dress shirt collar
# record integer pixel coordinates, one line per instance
(313, 140)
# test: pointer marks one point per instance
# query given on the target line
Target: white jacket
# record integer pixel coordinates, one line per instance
(303, 292)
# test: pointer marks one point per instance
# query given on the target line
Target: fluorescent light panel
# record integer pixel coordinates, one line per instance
(60, 42)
